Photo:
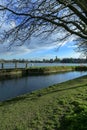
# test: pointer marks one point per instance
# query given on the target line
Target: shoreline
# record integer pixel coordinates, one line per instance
(34, 71)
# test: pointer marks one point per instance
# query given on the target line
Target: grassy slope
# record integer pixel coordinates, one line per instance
(60, 107)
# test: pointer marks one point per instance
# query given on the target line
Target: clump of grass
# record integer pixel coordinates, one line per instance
(76, 120)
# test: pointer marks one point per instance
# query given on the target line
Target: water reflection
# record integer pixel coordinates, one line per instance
(14, 87)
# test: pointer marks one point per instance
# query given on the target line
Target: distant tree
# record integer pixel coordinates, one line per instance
(51, 61)
(56, 59)
(46, 17)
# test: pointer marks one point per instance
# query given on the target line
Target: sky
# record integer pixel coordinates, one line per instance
(37, 49)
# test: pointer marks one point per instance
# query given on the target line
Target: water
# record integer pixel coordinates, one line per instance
(15, 87)
(23, 65)
(57, 64)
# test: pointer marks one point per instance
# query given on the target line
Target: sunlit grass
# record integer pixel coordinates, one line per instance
(60, 107)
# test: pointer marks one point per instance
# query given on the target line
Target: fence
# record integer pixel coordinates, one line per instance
(15, 65)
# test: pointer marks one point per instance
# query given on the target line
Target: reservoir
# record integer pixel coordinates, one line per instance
(18, 86)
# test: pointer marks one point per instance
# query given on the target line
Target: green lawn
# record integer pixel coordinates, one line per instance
(60, 107)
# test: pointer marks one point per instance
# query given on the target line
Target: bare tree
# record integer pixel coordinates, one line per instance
(43, 17)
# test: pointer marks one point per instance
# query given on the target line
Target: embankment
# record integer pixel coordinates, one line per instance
(12, 73)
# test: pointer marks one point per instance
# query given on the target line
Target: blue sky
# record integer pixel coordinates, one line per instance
(37, 51)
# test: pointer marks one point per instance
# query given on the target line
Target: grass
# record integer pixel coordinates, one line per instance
(49, 69)
(58, 107)
(15, 73)
(19, 72)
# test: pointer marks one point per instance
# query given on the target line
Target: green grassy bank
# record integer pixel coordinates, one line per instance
(60, 107)
(19, 72)
(49, 70)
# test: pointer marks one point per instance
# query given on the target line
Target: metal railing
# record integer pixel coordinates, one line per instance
(14, 65)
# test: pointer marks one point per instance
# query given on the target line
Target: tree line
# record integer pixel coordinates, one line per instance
(52, 60)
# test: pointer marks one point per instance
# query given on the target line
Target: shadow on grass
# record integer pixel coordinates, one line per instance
(76, 120)
(69, 88)
(34, 96)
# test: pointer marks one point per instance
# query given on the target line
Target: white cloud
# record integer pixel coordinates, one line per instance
(34, 46)
(12, 24)
(72, 46)
(7, 26)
